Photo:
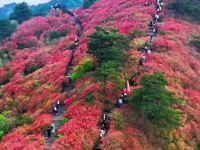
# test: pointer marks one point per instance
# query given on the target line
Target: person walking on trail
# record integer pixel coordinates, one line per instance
(158, 8)
(143, 57)
(147, 3)
(102, 134)
(49, 132)
(154, 31)
(152, 24)
(55, 110)
(125, 94)
(133, 81)
(151, 38)
(120, 102)
(104, 117)
(53, 128)
(141, 62)
(58, 104)
(76, 40)
(148, 51)
(156, 17)
(106, 126)
(69, 78)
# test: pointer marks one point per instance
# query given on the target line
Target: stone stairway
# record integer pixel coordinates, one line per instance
(68, 88)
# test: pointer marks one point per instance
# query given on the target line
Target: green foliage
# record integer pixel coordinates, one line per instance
(37, 83)
(5, 125)
(157, 102)
(108, 45)
(21, 13)
(6, 29)
(21, 120)
(28, 120)
(31, 69)
(137, 33)
(198, 147)
(1, 92)
(119, 121)
(108, 71)
(162, 33)
(108, 20)
(5, 57)
(90, 98)
(191, 8)
(143, 45)
(82, 69)
(65, 120)
(96, 145)
(9, 75)
(57, 35)
(196, 42)
(60, 135)
(88, 3)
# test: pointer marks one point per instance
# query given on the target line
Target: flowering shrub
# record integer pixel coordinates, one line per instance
(40, 89)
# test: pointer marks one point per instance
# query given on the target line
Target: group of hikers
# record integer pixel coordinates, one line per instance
(122, 99)
(51, 129)
(153, 31)
(145, 52)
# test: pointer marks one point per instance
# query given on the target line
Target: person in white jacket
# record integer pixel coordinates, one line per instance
(53, 129)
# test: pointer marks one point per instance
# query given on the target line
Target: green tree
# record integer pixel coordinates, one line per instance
(88, 3)
(156, 102)
(6, 29)
(119, 121)
(90, 98)
(108, 45)
(191, 8)
(108, 71)
(21, 13)
(5, 125)
(5, 57)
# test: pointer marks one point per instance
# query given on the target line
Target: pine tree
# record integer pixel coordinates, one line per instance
(157, 102)
(21, 13)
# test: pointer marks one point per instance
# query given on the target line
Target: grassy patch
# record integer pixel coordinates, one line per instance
(90, 98)
(65, 120)
(57, 35)
(119, 121)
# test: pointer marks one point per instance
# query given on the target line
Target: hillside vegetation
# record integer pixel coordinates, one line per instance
(161, 111)
(190, 8)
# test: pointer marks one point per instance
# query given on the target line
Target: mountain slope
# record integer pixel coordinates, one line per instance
(33, 80)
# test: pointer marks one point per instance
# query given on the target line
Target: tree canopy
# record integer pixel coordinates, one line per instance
(6, 28)
(108, 46)
(21, 12)
(157, 102)
(191, 8)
